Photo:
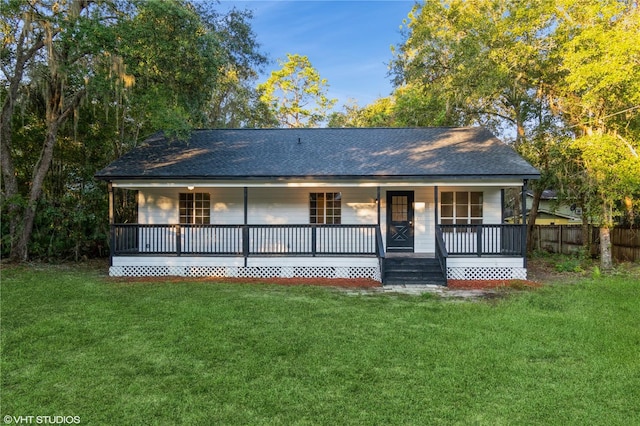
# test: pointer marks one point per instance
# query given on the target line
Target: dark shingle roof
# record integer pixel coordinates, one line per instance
(326, 153)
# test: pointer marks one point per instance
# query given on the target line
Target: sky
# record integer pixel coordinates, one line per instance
(348, 42)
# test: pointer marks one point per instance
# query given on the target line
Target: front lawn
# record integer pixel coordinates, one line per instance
(77, 344)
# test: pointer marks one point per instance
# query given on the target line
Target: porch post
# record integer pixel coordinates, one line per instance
(435, 202)
(245, 228)
(112, 237)
(379, 201)
(524, 222)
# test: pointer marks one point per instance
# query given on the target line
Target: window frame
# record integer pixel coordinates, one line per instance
(462, 208)
(325, 208)
(194, 208)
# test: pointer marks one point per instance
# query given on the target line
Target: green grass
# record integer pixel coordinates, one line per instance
(77, 344)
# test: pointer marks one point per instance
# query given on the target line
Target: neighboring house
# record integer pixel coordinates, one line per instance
(550, 211)
(391, 204)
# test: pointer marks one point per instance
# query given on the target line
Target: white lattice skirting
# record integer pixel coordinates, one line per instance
(486, 273)
(248, 272)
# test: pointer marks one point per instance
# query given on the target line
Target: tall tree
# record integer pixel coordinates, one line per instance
(481, 63)
(408, 106)
(555, 72)
(481, 60)
(235, 102)
(85, 79)
(46, 46)
(296, 93)
(598, 95)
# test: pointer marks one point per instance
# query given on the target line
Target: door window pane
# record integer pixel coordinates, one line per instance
(399, 208)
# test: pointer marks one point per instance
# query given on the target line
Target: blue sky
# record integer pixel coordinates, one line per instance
(348, 42)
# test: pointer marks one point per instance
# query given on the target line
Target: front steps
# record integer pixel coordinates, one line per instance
(412, 270)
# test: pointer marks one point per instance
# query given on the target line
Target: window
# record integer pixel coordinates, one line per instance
(461, 208)
(195, 208)
(325, 207)
(399, 208)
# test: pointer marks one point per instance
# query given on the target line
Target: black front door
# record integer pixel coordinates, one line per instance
(400, 221)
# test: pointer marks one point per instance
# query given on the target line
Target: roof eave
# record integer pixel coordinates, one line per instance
(109, 178)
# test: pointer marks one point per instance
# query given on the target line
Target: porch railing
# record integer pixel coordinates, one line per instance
(310, 240)
(484, 240)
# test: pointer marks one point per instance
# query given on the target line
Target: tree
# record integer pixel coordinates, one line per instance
(408, 106)
(611, 173)
(563, 75)
(235, 102)
(480, 63)
(296, 93)
(47, 47)
(83, 80)
(377, 114)
(479, 60)
(597, 94)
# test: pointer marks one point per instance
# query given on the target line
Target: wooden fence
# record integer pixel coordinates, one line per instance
(568, 239)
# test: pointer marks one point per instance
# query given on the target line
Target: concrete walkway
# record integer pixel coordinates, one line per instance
(417, 290)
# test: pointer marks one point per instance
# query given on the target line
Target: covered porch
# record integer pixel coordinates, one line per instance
(334, 251)
(442, 231)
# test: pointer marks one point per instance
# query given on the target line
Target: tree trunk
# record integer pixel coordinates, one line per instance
(57, 113)
(587, 240)
(605, 238)
(605, 248)
(11, 191)
(58, 109)
(21, 251)
(516, 207)
(533, 213)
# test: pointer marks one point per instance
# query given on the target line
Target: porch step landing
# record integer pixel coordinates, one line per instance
(411, 270)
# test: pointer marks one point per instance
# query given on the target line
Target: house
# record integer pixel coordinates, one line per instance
(391, 204)
(550, 211)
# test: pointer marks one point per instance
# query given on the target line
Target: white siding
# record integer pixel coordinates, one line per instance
(290, 206)
(266, 206)
(160, 205)
(277, 206)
